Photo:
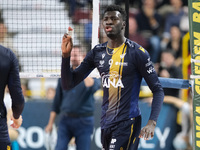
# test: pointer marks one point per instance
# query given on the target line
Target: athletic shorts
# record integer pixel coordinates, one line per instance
(5, 146)
(123, 136)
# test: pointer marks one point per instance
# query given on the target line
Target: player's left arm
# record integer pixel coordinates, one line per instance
(146, 69)
(14, 86)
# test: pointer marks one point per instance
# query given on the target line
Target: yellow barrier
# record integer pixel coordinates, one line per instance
(186, 57)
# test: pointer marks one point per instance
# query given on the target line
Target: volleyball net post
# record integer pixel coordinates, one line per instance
(194, 20)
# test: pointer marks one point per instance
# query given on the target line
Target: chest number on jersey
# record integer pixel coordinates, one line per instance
(110, 62)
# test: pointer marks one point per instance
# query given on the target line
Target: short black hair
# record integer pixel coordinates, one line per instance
(170, 51)
(116, 8)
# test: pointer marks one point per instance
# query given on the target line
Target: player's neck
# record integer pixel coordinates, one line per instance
(113, 43)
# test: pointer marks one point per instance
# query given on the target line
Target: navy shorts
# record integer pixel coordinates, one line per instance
(5, 146)
(123, 136)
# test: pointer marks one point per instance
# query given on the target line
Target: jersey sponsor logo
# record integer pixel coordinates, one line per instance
(101, 62)
(121, 63)
(149, 63)
(103, 55)
(122, 55)
(110, 62)
(8, 147)
(112, 79)
(142, 49)
(113, 141)
(151, 70)
(112, 144)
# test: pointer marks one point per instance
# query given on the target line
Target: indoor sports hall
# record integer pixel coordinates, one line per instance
(169, 30)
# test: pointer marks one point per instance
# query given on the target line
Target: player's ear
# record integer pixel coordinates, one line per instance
(123, 25)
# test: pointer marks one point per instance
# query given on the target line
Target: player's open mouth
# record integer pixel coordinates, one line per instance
(108, 29)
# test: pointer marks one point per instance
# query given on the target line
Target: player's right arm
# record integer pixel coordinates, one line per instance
(70, 78)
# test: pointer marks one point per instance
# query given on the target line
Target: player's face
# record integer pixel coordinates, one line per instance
(113, 23)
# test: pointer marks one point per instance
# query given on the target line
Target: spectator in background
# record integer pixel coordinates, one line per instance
(9, 73)
(76, 107)
(149, 22)
(167, 69)
(183, 139)
(173, 19)
(50, 94)
(175, 44)
(164, 7)
(134, 35)
(73, 5)
(184, 22)
(24, 86)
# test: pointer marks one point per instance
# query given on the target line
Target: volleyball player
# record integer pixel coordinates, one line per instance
(9, 75)
(122, 64)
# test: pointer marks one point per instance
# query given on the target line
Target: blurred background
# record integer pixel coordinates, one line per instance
(33, 29)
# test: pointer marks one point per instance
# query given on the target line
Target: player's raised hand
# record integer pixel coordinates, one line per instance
(67, 43)
(148, 131)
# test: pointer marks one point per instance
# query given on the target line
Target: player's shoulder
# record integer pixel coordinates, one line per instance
(3, 49)
(100, 46)
(135, 47)
(96, 50)
(6, 52)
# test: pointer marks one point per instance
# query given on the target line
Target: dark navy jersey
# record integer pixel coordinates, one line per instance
(9, 75)
(121, 70)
